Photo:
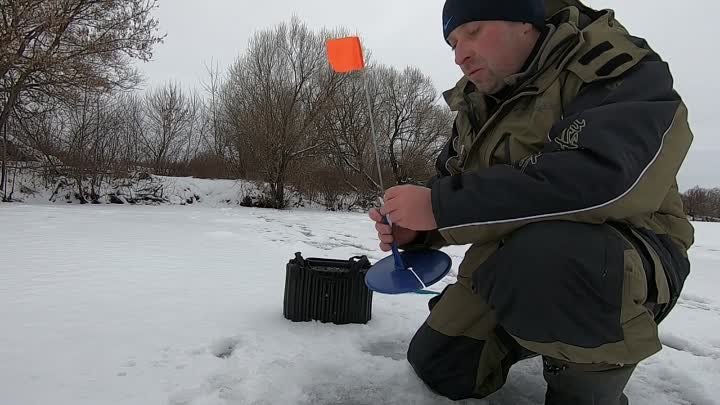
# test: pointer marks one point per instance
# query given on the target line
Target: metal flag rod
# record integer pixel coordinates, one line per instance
(399, 263)
(374, 133)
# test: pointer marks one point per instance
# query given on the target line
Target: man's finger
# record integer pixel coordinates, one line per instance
(382, 228)
(388, 208)
(385, 247)
(375, 215)
(386, 239)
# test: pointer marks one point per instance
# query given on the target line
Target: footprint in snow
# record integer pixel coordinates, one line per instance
(323, 246)
(349, 243)
(224, 348)
(393, 349)
(334, 245)
(696, 302)
(127, 364)
(304, 230)
(695, 348)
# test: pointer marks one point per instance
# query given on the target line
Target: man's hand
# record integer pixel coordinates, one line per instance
(410, 207)
(386, 235)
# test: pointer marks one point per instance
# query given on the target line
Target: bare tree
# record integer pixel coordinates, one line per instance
(38, 130)
(433, 127)
(411, 120)
(346, 128)
(695, 200)
(92, 147)
(51, 48)
(216, 139)
(3, 169)
(714, 203)
(278, 92)
(131, 112)
(168, 122)
(79, 144)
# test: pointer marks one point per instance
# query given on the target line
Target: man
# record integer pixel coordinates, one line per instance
(560, 175)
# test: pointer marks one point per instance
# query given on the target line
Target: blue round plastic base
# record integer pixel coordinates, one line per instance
(429, 265)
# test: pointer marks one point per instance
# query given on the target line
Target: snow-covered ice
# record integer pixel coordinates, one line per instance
(179, 305)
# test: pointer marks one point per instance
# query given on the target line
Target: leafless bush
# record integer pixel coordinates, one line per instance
(701, 203)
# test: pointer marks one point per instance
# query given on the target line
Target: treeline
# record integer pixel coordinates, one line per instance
(702, 204)
(278, 115)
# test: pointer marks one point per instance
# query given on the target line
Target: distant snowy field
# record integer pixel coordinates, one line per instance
(119, 304)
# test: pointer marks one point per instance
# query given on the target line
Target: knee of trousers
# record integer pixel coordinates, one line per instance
(448, 365)
(557, 281)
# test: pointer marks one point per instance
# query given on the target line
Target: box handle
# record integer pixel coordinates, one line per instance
(357, 263)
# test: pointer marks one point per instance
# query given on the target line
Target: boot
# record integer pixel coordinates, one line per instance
(568, 385)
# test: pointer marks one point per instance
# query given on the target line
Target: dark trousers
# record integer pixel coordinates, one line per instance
(584, 297)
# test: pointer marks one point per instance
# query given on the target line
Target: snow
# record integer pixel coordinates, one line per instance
(182, 305)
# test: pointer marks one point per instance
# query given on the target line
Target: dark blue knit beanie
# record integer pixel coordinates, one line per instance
(459, 12)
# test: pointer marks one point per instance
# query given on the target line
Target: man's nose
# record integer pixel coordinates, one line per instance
(462, 53)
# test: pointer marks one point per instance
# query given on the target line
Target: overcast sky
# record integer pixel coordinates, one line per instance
(404, 32)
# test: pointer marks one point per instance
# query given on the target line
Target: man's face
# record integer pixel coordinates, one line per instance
(489, 51)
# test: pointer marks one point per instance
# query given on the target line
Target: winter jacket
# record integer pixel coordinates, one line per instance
(592, 131)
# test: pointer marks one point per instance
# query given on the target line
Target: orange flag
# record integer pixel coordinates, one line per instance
(345, 54)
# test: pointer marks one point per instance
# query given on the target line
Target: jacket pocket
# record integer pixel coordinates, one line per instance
(501, 153)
